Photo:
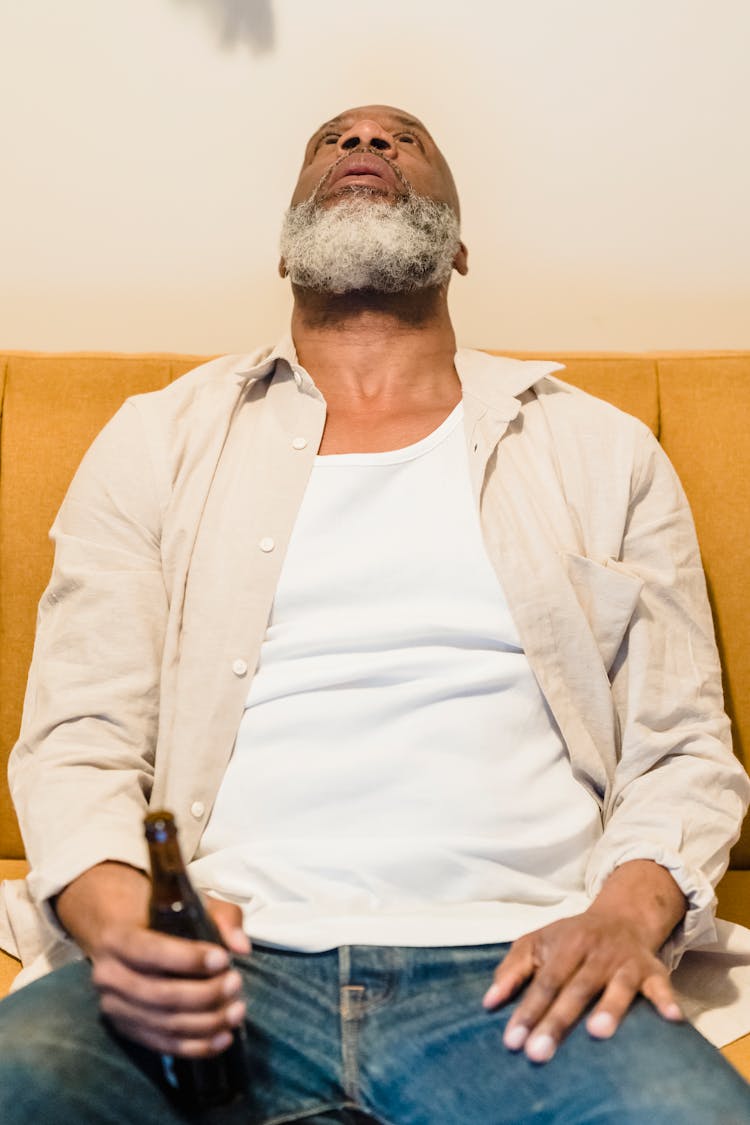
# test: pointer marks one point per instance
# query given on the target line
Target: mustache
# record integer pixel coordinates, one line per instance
(330, 171)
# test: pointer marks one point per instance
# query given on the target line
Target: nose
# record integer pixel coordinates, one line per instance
(367, 134)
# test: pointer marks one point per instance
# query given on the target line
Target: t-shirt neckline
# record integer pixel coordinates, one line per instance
(397, 456)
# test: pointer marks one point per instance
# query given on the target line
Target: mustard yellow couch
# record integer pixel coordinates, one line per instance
(697, 404)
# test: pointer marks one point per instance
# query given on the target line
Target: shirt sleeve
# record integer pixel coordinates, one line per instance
(82, 769)
(679, 794)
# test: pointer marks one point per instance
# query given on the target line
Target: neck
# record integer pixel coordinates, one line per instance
(377, 348)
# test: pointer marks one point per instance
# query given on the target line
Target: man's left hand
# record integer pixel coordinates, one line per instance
(607, 951)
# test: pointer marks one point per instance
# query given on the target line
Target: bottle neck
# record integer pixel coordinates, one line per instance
(168, 875)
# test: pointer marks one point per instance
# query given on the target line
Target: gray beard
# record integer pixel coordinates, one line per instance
(369, 243)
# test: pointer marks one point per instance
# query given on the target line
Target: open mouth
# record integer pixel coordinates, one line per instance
(365, 170)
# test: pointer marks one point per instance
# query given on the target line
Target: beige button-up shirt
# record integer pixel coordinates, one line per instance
(169, 546)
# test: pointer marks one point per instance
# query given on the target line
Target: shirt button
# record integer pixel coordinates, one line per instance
(239, 667)
(197, 809)
(267, 544)
(299, 443)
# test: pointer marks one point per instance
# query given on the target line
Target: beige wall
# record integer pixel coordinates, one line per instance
(601, 148)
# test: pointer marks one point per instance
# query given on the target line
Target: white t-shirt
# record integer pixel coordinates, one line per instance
(397, 777)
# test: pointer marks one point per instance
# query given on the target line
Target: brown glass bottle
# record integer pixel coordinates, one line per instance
(176, 908)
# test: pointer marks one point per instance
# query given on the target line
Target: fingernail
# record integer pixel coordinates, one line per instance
(541, 1048)
(515, 1037)
(216, 959)
(673, 1012)
(602, 1025)
(492, 996)
(222, 1040)
(236, 1013)
(232, 984)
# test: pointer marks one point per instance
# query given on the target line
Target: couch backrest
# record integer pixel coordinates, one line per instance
(53, 405)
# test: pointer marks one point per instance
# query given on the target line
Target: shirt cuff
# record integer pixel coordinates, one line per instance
(698, 925)
(46, 883)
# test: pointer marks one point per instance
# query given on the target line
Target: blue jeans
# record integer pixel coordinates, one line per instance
(365, 1033)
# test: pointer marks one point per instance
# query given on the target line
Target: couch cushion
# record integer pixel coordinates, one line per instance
(733, 894)
(705, 407)
(738, 1054)
(9, 970)
(52, 408)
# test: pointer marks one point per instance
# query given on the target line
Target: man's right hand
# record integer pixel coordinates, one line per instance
(175, 996)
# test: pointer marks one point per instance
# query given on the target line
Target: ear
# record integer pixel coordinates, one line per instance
(282, 268)
(461, 260)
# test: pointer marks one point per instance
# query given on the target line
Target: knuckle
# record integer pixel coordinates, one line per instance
(511, 964)
(224, 989)
(183, 995)
(155, 1041)
(532, 1009)
(556, 1023)
(658, 970)
(193, 1027)
(546, 986)
(520, 947)
(109, 941)
(662, 981)
(582, 988)
(174, 1025)
(161, 994)
(506, 974)
(205, 996)
(214, 1022)
(630, 974)
(100, 974)
(658, 986)
(121, 943)
(608, 952)
(581, 941)
(173, 995)
(203, 1048)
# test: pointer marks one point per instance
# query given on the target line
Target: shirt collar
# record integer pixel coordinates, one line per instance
(495, 381)
(260, 364)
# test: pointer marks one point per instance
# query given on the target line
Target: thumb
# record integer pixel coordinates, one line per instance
(228, 918)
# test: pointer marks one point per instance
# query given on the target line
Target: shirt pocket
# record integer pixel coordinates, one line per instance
(608, 595)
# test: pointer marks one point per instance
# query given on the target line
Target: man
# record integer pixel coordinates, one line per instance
(417, 646)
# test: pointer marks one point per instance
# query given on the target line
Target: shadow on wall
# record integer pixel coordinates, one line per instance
(244, 22)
